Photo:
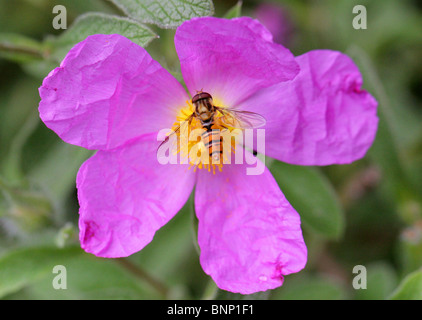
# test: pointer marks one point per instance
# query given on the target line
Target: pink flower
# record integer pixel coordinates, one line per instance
(110, 95)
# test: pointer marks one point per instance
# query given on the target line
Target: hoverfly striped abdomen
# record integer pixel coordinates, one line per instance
(213, 142)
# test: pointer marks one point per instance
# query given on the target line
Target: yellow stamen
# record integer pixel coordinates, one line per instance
(195, 150)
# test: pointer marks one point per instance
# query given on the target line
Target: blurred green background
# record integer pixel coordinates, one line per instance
(367, 213)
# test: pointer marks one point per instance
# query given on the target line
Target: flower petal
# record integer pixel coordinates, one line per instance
(231, 59)
(125, 195)
(249, 234)
(322, 117)
(106, 91)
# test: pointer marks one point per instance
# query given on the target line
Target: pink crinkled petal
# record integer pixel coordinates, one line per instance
(248, 233)
(321, 117)
(231, 59)
(107, 91)
(255, 26)
(125, 196)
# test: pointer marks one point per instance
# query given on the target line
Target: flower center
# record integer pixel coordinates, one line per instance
(203, 138)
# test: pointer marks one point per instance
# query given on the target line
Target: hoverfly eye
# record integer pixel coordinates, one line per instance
(201, 95)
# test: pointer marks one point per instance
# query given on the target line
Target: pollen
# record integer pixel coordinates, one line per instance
(203, 149)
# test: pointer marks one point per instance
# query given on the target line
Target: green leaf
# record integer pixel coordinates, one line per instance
(92, 278)
(99, 23)
(63, 161)
(235, 11)
(312, 195)
(309, 288)
(410, 288)
(22, 267)
(88, 277)
(165, 13)
(29, 207)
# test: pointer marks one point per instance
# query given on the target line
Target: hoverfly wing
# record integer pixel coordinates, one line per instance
(241, 119)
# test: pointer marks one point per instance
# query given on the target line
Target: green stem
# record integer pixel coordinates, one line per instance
(5, 47)
(194, 222)
(15, 154)
(134, 269)
(211, 291)
(6, 190)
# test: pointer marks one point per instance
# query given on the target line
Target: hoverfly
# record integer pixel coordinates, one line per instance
(207, 114)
